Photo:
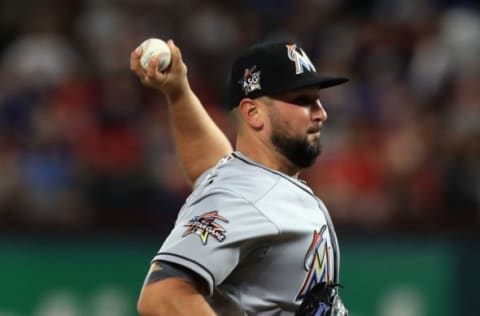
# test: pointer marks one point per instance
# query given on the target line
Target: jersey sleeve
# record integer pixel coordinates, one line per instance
(210, 235)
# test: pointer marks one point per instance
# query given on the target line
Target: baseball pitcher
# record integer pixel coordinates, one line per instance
(251, 239)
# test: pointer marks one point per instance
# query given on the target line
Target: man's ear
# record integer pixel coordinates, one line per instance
(252, 113)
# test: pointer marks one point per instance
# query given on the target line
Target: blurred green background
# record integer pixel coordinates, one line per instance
(89, 180)
(102, 276)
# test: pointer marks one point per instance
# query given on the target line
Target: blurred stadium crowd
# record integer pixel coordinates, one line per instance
(83, 146)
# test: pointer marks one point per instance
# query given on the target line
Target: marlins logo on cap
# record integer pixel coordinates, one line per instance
(300, 59)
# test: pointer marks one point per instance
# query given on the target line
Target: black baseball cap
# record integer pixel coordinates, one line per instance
(271, 68)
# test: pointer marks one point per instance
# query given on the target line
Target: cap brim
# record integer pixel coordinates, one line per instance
(320, 82)
(330, 82)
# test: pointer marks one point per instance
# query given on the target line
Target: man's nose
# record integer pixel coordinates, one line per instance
(318, 112)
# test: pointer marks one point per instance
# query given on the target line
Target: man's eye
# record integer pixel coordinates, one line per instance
(302, 101)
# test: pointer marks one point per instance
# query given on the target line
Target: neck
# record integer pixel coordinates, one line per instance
(264, 154)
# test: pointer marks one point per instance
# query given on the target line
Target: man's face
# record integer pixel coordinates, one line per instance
(296, 119)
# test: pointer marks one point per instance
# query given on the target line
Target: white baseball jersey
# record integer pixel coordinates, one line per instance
(256, 235)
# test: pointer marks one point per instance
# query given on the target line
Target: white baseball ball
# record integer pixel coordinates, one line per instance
(152, 47)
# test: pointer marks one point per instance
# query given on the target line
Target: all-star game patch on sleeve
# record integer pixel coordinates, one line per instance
(210, 235)
(206, 225)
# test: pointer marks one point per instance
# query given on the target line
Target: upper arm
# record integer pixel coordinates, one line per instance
(199, 141)
(170, 295)
(211, 236)
(202, 154)
(161, 270)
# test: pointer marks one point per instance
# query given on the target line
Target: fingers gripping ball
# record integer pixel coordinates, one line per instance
(152, 47)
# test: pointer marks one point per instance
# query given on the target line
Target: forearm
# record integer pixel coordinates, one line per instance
(199, 141)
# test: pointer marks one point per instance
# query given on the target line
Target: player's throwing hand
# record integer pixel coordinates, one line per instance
(171, 82)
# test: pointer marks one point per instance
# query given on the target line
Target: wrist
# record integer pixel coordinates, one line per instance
(178, 93)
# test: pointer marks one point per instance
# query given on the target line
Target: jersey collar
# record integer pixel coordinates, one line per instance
(298, 182)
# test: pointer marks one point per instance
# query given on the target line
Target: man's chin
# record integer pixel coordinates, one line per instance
(315, 147)
(308, 159)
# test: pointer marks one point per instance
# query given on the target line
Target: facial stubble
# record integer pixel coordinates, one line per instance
(298, 150)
